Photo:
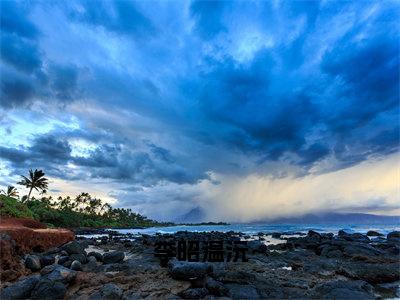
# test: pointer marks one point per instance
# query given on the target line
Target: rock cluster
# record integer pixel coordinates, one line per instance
(312, 266)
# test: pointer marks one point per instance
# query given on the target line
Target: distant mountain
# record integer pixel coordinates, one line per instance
(196, 215)
(324, 218)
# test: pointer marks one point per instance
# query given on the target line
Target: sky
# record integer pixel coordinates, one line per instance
(246, 110)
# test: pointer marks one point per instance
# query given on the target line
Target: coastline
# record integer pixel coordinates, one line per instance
(312, 265)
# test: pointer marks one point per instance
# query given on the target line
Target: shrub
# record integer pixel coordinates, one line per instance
(13, 208)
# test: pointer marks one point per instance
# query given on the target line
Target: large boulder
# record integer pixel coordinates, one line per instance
(374, 233)
(183, 270)
(32, 262)
(343, 289)
(357, 249)
(63, 259)
(330, 251)
(371, 273)
(353, 237)
(21, 289)
(47, 260)
(113, 257)
(47, 290)
(216, 288)
(194, 293)
(76, 265)
(257, 246)
(393, 235)
(237, 291)
(81, 257)
(73, 248)
(58, 273)
(97, 255)
(313, 234)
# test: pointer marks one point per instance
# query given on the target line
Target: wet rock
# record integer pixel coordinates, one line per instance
(313, 234)
(342, 289)
(353, 237)
(237, 291)
(276, 235)
(389, 290)
(371, 273)
(58, 273)
(47, 260)
(97, 255)
(194, 293)
(183, 270)
(111, 291)
(76, 265)
(216, 288)
(52, 251)
(354, 249)
(113, 257)
(92, 259)
(32, 262)
(73, 248)
(62, 260)
(330, 251)
(257, 246)
(47, 289)
(79, 257)
(393, 235)
(21, 289)
(374, 233)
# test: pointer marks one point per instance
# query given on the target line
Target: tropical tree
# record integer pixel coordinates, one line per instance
(11, 192)
(35, 181)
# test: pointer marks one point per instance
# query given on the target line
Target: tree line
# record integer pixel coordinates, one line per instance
(80, 211)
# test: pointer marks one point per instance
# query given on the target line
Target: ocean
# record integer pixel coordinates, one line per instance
(252, 229)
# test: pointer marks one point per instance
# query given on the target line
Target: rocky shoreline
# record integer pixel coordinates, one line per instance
(118, 266)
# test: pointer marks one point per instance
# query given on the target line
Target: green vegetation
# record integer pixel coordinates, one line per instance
(13, 208)
(81, 211)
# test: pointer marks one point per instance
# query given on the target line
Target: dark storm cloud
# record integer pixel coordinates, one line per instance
(21, 53)
(145, 168)
(16, 90)
(53, 154)
(369, 72)
(13, 19)
(26, 74)
(64, 81)
(297, 82)
(55, 83)
(208, 16)
(253, 115)
(121, 17)
(45, 151)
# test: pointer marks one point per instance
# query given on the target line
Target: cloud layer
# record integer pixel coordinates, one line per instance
(163, 102)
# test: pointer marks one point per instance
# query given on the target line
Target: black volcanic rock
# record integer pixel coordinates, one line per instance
(183, 270)
(342, 289)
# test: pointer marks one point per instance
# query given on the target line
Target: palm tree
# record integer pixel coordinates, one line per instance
(11, 192)
(35, 181)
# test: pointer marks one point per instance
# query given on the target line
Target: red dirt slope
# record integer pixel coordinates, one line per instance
(21, 236)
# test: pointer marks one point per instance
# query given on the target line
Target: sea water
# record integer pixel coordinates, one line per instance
(252, 229)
